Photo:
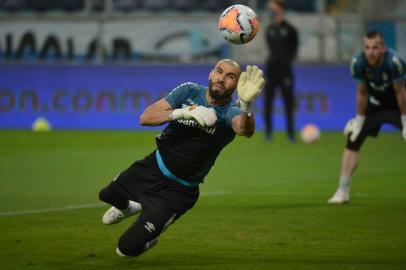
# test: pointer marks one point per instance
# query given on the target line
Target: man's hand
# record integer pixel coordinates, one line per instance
(403, 117)
(354, 127)
(249, 86)
(204, 116)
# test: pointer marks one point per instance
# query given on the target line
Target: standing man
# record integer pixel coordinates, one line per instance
(165, 184)
(282, 41)
(381, 98)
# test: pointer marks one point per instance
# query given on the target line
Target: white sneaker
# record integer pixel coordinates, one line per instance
(114, 215)
(340, 197)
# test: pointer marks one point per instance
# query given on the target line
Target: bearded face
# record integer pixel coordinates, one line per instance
(218, 91)
(223, 80)
(374, 50)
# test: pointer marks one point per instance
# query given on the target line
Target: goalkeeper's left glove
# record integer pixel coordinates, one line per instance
(353, 127)
(403, 117)
(249, 86)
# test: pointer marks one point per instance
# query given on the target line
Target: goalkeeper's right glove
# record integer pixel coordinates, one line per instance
(249, 86)
(354, 127)
(206, 117)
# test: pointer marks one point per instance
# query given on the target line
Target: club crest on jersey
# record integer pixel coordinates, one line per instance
(189, 102)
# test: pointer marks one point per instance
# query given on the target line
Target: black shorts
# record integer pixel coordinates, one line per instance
(374, 119)
(163, 201)
(143, 182)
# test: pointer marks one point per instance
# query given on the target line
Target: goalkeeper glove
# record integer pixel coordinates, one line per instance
(403, 118)
(203, 115)
(249, 86)
(354, 127)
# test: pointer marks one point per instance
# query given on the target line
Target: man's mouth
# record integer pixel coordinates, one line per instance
(221, 86)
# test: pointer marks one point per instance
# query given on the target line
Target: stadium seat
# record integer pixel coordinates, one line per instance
(127, 5)
(186, 5)
(72, 5)
(156, 5)
(97, 5)
(13, 5)
(215, 5)
(41, 5)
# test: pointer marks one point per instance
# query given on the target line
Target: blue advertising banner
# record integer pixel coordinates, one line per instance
(113, 97)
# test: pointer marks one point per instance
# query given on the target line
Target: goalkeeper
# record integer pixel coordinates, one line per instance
(165, 184)
(381, 98)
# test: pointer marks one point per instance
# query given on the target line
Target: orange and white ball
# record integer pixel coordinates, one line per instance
(310, 133)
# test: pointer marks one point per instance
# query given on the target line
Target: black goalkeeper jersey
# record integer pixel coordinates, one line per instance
(188, 150)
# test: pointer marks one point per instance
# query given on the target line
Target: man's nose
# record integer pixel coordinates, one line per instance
(220, 78)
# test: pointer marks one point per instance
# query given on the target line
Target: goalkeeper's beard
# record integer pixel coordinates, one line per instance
(216, 95)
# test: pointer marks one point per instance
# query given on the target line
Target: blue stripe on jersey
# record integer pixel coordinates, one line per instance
(168, 174)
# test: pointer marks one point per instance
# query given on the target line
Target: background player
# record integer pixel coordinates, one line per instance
(381, 98)
(165, 184)
(282, 40)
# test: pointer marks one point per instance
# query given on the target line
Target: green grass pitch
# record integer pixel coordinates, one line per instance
(263, 206)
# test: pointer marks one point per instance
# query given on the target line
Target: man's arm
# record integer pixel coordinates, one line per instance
(400, 93)
(244, 125)
(354, 125)
(162, 112)
(362, 99)
(250, 85)
(157, 114)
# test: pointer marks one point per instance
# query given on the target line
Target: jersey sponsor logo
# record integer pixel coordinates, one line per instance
(382, 87)
(150, 227)
(193, 123)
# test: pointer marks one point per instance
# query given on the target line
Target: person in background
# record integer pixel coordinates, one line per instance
(282, 40)
(380, 98)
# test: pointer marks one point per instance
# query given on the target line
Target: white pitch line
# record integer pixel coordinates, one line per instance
(84, 206)
(203, 194)
(46, 210)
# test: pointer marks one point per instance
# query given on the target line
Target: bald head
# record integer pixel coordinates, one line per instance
(231, 63)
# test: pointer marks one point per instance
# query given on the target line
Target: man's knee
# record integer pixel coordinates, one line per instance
(105, 195)
(134, 249)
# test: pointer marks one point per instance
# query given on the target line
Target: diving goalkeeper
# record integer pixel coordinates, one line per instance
(165, 184)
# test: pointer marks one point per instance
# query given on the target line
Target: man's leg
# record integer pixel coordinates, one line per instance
(349, 163)
(121, 207)
(289, 102)
(144, 233)
(268, 108)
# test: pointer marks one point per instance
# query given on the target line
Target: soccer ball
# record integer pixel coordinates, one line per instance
(310, 133)
(238, 24)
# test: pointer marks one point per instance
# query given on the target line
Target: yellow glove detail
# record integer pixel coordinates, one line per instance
(249, 86)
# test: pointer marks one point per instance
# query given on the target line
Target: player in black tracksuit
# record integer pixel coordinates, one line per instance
(282, 41)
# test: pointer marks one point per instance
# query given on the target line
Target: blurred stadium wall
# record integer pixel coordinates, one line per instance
(94, 63)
